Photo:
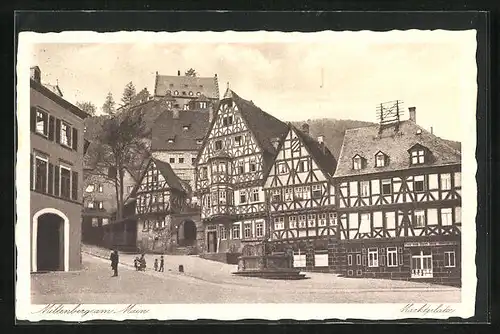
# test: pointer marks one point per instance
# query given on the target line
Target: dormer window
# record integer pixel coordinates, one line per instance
(199, 141)
(380, 159)
(170, 140)
(190, 93)
(198, 93)
(418, 154)
(186, 127)
(357, 162)
(176, 93)
(183, 93)
(169, 92)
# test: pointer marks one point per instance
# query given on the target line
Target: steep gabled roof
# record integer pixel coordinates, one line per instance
(264, 126)
(319, 152)
(207, 86)
(171, 178)
(367, 141)
(167, 127)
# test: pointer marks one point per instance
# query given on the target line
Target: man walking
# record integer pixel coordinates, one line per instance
(162, 264)
(114, 262)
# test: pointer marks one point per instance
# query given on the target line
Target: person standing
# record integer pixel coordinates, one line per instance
(162, 264)
(156, 265)
(114, 262)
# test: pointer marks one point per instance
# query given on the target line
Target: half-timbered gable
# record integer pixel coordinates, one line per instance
(231, 166)
(407, 194)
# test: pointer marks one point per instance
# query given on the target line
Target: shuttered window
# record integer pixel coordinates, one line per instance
(56, 180)
(74, 186)
(51, 179)
(75, 139)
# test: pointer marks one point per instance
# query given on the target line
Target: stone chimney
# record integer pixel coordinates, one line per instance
(178, 73)
(175, 113)
(35, 74)
(413, 114)
(305, 128)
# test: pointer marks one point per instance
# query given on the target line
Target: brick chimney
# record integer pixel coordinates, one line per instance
(305, 128)
(413, 114)
(35, 73)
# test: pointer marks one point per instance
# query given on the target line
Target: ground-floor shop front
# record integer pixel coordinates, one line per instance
(431, 260)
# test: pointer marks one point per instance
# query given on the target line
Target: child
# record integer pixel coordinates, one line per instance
(162, 263)
(156, 265)
(136, 263)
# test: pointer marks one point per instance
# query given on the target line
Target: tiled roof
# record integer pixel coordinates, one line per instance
(151, 110)
(166, 170)
(166, 127)
(319, 152)
(264, 126)
(203, 85)
(367, 141)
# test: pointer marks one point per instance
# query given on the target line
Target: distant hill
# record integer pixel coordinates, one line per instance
(332, 129)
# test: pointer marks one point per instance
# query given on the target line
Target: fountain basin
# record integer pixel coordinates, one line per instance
(268, 266)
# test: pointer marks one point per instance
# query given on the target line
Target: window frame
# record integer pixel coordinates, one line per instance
(392, 254)
(373, 258)
(380, 157)
(61, 167)
(45, 131)
(417, 156)
(64, 134)
(383, 182)
(448, 257)
(35, 174)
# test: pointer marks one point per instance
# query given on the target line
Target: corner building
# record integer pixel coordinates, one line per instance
(231, 169)
(399, 204)
(56, 172)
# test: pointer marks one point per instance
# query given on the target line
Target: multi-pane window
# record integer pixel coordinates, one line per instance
(237, 141)
(65, 182)
(449, 259)
(417, 157)
(281, 168)
(302, 221)
(223, 232)
(236, 231)
(419, 183)
(65, 134)
(253, 166)
(364, 187)
(288, 194)
(105, 221)
(356, 163)
(276, 195)
(419, 218)
(316, 191)
(181, 160)
(445, 181)
(292, 222)
(279, 223)
(372, 257)
(311, 220)
(392, 256)
(349, 260)
(90, 204)
(100, 189)
(322, 219)
(41, 174)
(446, 219)
(259, 230)
(386, 187)
(95, 222)
(240, 169)
(247, 230)
(42, 120)
(332, 216)
(255, 195)
(380, 160)
(222, 197)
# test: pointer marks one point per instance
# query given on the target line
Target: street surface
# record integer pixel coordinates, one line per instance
(207, 281)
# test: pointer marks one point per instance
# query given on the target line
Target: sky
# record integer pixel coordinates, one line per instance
(344, 77)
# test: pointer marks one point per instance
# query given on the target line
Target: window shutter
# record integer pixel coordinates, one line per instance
(56, 180)
(58, 130)
(75, 139)
(51, 127)
(74, 186)
(51, 179)
(33, 119)
(31, 171)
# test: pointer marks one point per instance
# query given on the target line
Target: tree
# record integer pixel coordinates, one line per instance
(109, 105)
(88, 107)
(128, 93)
(191, 73)
(117, 148)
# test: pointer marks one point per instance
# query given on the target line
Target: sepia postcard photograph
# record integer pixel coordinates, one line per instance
(236, 175)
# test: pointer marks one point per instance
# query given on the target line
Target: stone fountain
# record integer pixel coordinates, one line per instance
(258, 261)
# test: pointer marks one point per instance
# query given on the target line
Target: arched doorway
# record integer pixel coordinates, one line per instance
(186, 234)
(50, 243)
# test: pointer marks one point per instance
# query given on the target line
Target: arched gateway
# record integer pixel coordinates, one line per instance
(186, 233)
(50, 241)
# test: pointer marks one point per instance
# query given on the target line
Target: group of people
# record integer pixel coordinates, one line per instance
(139, 263)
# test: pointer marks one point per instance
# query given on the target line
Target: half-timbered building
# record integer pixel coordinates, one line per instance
(231, 169)
(301, 200)
(399, 203)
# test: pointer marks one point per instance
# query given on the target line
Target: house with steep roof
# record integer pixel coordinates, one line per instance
(231, 168)
(301, 196)
(399, 203)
